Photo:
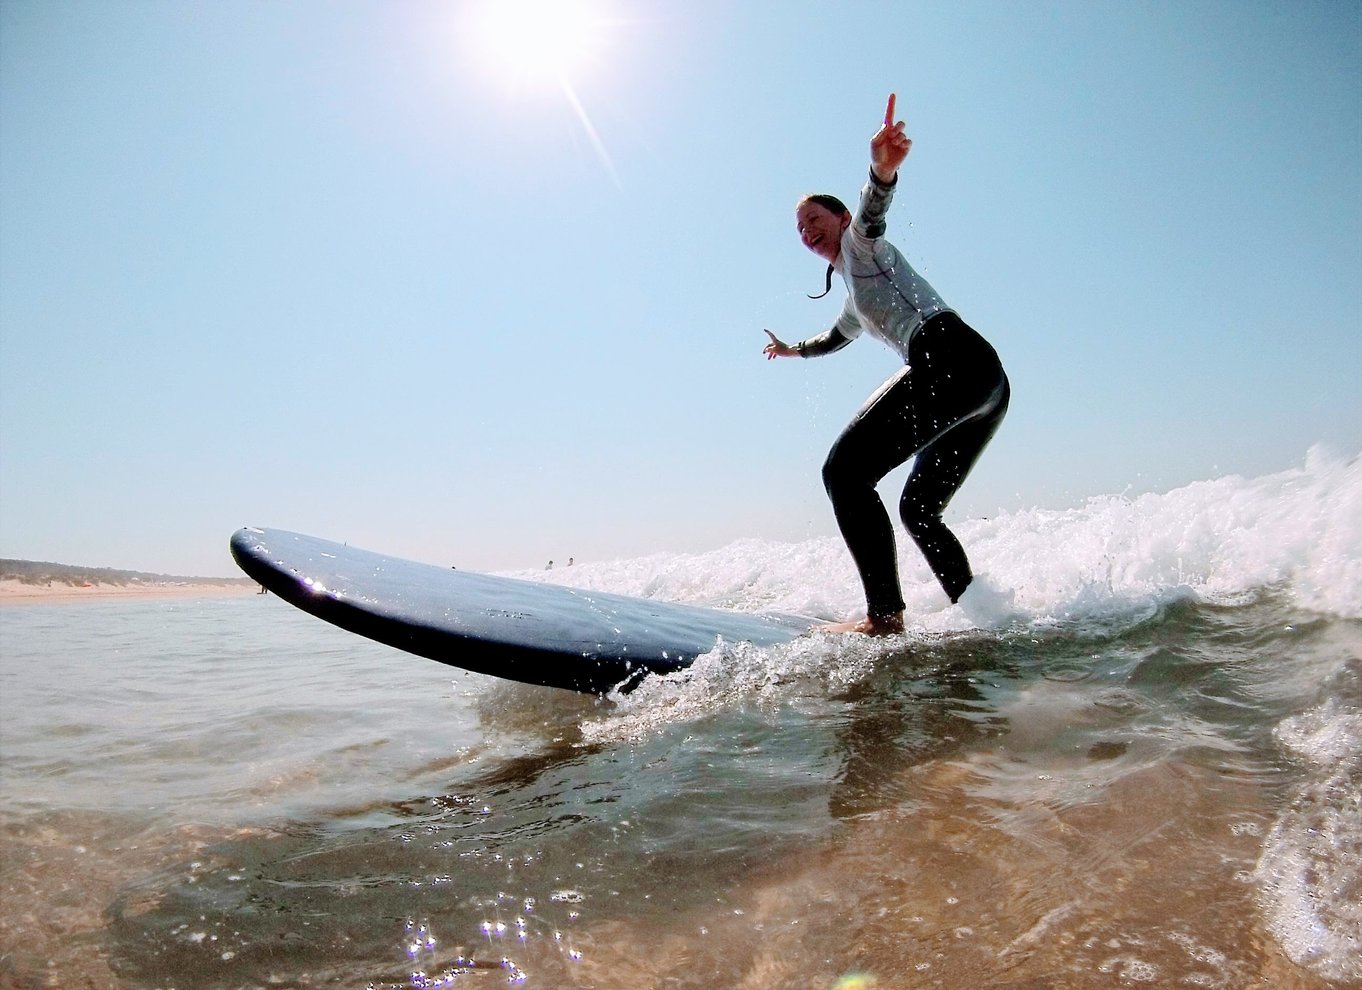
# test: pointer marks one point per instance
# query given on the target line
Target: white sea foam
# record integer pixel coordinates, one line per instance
(1098, 567)
(1311, 866)
(1113, 555)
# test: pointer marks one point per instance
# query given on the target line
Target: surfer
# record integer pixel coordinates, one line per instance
(943, 406)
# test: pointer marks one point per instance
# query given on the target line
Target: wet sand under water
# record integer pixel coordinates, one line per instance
(1151, 886)
(985, 874)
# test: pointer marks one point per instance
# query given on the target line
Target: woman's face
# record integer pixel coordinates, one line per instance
(820, 229)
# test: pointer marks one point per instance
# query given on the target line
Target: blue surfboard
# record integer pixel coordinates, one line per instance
(516, 629)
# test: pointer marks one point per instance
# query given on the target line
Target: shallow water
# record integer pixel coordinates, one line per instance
(1144, 768)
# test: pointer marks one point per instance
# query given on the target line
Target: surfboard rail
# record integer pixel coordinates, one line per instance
(528, 631)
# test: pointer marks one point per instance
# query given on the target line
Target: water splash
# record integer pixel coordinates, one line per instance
(1219, 541)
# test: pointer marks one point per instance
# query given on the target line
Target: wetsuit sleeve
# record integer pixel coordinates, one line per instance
(826, 342)
(844, 331)
(875, 200)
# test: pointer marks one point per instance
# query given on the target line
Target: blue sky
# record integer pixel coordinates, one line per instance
(332, 267)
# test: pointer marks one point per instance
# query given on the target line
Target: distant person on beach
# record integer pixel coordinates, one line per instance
(943, 407)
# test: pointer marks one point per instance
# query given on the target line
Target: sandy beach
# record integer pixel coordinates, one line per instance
(16, 592)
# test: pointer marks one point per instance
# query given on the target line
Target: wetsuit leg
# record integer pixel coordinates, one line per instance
(955, 383)
(937, 475)
(876, 441)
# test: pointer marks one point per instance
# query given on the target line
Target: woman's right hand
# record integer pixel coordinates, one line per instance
(777, 348)
(889, 147)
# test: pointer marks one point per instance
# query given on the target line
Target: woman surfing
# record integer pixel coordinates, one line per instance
(943, 407)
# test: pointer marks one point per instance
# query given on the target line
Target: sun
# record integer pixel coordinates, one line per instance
(538, 42)
(543, 45)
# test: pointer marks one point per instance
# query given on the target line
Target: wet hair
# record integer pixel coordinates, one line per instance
(830, 203)
(833, 205)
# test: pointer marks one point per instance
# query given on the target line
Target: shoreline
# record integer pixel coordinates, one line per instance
(17, 592)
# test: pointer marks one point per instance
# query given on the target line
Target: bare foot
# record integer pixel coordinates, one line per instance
(884, 625)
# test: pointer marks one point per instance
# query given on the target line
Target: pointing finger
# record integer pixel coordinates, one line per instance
(889, 110)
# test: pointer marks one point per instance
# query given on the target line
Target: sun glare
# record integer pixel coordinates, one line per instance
(537, 41)
(544, 45)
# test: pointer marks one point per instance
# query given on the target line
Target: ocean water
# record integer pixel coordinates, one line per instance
(1132, 758)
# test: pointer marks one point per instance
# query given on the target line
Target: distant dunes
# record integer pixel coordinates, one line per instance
(44, 574)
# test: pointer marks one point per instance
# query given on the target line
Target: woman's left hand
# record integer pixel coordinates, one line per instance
(889, 147)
